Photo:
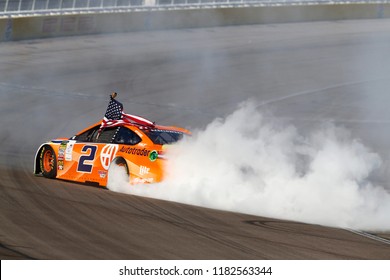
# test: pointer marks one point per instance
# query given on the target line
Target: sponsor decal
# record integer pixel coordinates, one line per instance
(102, 173)
(143, 180)
(69, 150)
(135, 151)
(143, 170)
(107, 155)
(61, 151)
(60, 165)
(153, 155)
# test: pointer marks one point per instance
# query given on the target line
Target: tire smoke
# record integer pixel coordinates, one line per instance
(246, 163)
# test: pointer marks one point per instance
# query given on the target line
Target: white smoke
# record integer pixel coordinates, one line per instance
(246, 163)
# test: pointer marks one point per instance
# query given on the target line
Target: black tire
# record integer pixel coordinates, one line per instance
(48, 162)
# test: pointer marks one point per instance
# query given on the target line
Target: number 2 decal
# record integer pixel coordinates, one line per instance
(86, 161)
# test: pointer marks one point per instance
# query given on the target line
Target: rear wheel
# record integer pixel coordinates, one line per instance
(48, 162)
(118, 174)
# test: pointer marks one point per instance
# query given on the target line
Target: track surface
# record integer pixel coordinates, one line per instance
(305, 72)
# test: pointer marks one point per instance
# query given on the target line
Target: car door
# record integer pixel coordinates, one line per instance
(87, 156)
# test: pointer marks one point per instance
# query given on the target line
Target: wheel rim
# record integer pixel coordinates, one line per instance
(48, 161)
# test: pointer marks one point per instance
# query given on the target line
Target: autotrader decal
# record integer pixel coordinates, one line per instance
(135, 151)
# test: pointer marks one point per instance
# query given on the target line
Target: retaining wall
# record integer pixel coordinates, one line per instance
(19, 28)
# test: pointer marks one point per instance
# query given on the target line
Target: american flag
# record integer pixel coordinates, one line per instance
(114, 110)
(115, 116)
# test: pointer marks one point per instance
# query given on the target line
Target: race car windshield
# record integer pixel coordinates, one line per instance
(162, 137)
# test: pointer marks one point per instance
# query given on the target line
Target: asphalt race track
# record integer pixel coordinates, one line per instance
(305, 73)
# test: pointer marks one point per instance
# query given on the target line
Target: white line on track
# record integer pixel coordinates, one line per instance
(371, 236)
(316, 91)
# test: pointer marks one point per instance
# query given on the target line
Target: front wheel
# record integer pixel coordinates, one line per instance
(48, 162)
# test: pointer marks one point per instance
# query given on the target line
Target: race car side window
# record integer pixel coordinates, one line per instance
(126, 136)
(86, 136)
(106, 136)
(162, 137)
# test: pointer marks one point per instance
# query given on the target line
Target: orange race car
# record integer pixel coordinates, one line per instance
(128, 141)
